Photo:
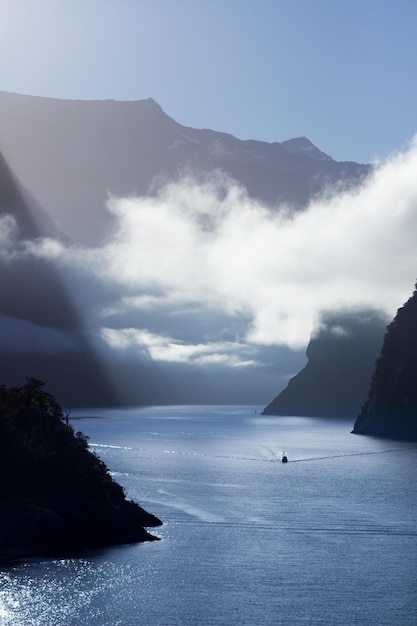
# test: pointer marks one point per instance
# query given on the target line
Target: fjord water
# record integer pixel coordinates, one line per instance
(328, 538)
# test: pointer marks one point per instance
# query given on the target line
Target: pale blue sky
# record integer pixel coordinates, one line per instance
(342, 73)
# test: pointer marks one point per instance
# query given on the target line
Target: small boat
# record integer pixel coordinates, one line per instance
(284, 458)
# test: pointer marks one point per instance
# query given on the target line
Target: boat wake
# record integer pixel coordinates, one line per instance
(340, 456)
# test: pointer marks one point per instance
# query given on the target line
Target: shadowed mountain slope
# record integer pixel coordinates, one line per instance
(341, 357)
(31, 219)
(391, 406)
(71, 154)
(30, 290)
(41, 333)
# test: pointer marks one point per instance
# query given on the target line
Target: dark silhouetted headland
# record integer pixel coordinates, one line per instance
(56, 497)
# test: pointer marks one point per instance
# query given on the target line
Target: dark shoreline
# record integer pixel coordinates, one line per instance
(67, 529)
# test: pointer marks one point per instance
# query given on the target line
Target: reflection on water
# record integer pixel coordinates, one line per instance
(328, 538)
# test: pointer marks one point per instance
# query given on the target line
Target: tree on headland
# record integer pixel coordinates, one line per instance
(31, 399)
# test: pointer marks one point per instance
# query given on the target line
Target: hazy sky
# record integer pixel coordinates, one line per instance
(341, 73)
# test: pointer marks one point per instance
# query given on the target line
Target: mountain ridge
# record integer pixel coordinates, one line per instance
(72, 153)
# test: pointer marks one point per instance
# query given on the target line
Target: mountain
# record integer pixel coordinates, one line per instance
(41, 331)
(27, 286)
(341, 357)
(391, 406)
(72, 154)
(86, 335)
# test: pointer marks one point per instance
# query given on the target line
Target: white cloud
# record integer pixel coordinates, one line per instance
(163, 348)
(213, 245)
(208, 247)
(46, 248)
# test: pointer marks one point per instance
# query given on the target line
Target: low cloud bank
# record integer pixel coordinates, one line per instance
(202, 276)
(212, 246)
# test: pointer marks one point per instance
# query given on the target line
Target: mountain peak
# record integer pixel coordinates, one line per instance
(302, 145)
(72, 153)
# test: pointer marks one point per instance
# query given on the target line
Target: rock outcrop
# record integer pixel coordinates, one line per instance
(391, 407)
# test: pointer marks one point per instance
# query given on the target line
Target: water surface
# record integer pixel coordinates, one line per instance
(328, 538)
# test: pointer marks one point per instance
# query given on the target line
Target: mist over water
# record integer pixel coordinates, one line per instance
(328, 538)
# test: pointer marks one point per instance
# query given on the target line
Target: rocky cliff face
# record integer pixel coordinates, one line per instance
(391, 408)
(341, 358)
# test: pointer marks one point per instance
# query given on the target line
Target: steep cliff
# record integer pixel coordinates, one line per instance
(391, 407)
(341, 357)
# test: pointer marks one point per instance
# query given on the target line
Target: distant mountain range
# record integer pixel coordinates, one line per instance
(72, 154)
